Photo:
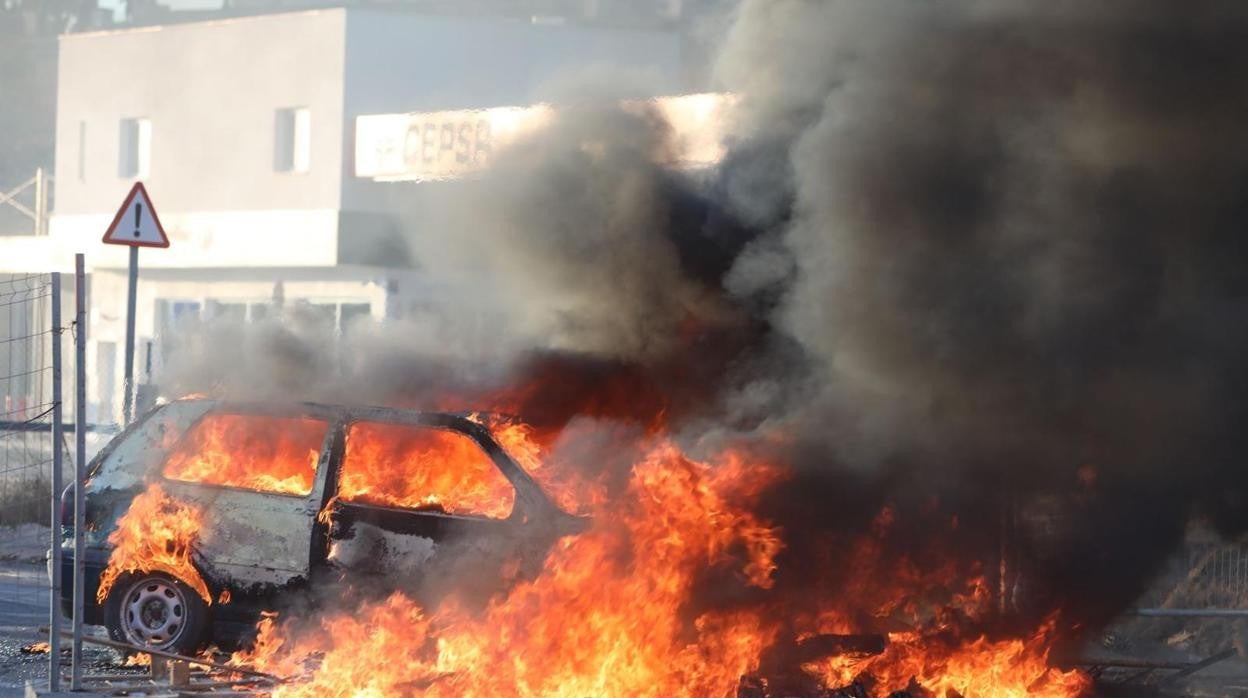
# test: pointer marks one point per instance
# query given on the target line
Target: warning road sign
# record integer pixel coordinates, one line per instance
(136, 223)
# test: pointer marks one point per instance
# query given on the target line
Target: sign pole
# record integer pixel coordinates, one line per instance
(128, 384)
(54, 545)
(135, 225)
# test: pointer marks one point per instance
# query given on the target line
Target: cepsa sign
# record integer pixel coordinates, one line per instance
(426, 143)
(438, 145)
(450, 144)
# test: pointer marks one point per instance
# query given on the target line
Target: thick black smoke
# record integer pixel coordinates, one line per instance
(1019, 255)
(963, 257)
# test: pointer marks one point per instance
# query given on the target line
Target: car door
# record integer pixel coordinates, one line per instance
(408, 495)
(256, 477)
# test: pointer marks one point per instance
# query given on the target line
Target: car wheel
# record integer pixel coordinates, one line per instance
(157, 611)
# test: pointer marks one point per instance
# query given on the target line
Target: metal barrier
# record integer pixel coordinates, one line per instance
(1192, 619)
(1219, 575)
(1208, 579)
(37, 192)
(30, 449)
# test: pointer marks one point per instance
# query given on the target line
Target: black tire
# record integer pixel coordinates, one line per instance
(157, 611)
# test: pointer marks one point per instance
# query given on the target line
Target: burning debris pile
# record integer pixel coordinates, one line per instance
(963, 258)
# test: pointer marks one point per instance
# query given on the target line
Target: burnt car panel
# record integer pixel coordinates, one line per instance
(259, 546)
(379, 540)
(124, 462)
(379, 536)
(260, 534)
(251, 537)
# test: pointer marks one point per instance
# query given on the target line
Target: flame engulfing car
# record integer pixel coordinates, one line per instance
(268, 503)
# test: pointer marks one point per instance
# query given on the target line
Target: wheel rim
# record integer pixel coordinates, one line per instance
(153, 613)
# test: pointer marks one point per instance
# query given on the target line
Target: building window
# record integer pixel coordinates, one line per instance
(292, 140)
(106, 372)
(176, 320)
(258, 312)
(352, 314)
(136, 149)
(221, 311)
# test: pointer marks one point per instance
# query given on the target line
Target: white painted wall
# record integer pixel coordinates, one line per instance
(237, 226)
(262, 238)
(212, 90)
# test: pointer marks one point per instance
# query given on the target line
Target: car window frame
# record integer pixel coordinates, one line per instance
(426, 420)
(324, 459)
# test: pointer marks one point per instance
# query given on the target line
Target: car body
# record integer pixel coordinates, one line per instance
(256, 546)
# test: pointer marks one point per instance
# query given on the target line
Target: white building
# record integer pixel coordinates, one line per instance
(242, 129)
(243, 132)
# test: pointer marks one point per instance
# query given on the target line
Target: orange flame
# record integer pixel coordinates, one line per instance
(604, 618)
(273, 454)
(980, 667)
(609, 614)
(569, 490)
(977, 667)
(156, 534)
(424, 468)
(936, 654)
(612, 612)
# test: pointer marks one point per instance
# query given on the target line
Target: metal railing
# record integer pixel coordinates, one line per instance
(1208, 580)
(38, 194)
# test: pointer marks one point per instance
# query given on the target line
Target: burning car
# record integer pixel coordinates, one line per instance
(266, 502)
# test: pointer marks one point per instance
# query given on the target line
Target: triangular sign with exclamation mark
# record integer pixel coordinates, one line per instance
(136, 223)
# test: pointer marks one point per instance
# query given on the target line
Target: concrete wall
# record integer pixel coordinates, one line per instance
(211, 91)
(28, 96)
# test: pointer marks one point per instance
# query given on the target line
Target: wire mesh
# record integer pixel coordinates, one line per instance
(26, 447)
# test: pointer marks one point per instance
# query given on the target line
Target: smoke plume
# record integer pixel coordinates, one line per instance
(959, 252)
(1016, 249)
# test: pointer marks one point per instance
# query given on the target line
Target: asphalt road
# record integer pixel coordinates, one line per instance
(24, 598)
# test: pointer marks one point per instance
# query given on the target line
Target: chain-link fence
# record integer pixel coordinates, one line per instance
(26, 452)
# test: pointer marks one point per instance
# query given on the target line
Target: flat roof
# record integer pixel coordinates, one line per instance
(194, 20)
(215, 21)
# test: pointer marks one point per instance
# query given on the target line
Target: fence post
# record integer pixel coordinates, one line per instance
(58, 436)
(40, 201)
(80, 465)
